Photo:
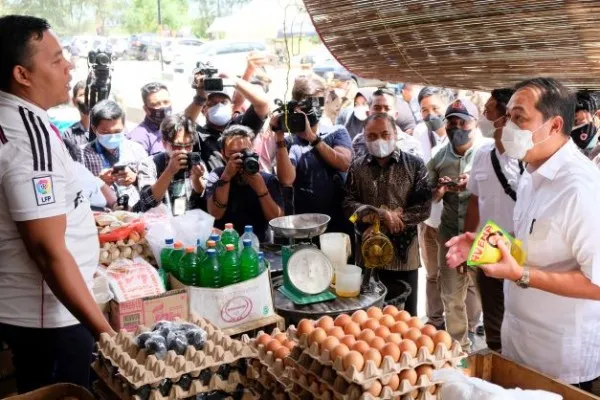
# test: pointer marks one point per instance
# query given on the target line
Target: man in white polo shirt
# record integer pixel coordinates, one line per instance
(552, 312)
(48, 239)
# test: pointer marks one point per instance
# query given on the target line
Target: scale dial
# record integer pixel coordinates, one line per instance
(310, 271)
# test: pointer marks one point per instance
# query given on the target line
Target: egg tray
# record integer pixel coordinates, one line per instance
(275, 366)
(171, 390)
(268, 385)
(139, 369)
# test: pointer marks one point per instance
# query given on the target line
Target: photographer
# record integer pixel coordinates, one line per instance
(174, 177)
(239, 193)
(318, 157)
(111, 156)
(78, 133)
(217, 107)
(157, 106)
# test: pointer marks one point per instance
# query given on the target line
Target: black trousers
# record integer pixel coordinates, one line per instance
(46, 356)
(586, 386)
(492, 304)
(391, 279)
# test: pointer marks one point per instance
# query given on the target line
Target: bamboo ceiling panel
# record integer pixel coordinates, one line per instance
(472, 44)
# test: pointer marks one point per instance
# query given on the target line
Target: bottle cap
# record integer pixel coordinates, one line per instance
(247, 242)
(168, 241)
(214, 237)
(229, 226)
(190, 250)
(178, 245)
(230, 247)
(248, 228)
(198, 242)
(211, 252)
(211, 244)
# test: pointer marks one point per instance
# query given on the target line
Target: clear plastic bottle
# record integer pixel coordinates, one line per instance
(248, 262)
(249, 234)
(230, 268)
(230, 236)
(262, 265)
(210, 275)
(219, 246)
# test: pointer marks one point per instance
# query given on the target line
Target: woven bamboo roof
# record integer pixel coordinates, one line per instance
(472, 44)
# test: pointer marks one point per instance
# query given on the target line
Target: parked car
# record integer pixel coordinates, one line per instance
(119, 46)
(84, 45)
(145, 47)
(179, 46)
(227, 56)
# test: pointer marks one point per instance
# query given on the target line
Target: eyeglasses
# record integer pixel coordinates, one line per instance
(180, 146)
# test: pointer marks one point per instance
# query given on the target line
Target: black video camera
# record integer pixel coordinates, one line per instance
(98, 82)
(193, 159)
(250, 161)
(293, 121)
(210, 84)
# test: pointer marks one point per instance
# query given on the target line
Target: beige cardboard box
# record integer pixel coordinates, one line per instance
(233, 305)
(148, 310)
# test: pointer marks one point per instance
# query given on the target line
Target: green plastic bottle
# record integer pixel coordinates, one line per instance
(219, 246)
(173, 263)
(230, 268)
(188, 271)
(200, 252)
(230, 236)
(165, 255)
(248, 261)
(210, 275)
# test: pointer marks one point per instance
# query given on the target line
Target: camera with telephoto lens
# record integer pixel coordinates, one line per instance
(193, 159)
(211, 84)
(98, 82)
(250, 161)
(294, 122)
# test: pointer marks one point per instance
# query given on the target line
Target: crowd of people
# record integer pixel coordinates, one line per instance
(435, 173)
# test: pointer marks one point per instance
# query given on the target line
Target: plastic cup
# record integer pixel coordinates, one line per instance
(336, 247)
(348, 281)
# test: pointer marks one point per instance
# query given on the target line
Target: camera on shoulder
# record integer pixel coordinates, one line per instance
(291, 121)
(211, 84)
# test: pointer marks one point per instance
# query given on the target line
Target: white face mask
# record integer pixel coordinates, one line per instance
(220, 114)
(360, 112)
(487, 127)
(380, 148)
(517, 142)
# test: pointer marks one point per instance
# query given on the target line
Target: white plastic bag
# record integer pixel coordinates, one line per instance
(193, 225)
(101, 288)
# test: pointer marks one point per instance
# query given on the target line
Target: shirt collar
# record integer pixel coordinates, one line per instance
(550, 168)
(30, 106)
(152, 126)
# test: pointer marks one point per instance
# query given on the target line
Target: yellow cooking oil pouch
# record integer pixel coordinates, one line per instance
(485, 247)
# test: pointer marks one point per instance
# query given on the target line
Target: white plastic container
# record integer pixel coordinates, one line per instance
(348, 281)
(337, 248)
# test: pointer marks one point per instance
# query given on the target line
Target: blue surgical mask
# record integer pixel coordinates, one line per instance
(111, 141)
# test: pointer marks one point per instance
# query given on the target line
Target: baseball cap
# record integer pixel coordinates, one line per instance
(463, 109)
(227, 91)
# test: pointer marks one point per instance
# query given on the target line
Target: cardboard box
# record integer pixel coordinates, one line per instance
(149, 310)
(233, 305)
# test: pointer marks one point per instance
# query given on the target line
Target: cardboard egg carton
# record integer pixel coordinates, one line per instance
(276, 366)
(140, 369)
(170, 390)
(324, 374)
(266, 383)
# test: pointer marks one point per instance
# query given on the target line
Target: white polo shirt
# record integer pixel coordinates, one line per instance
(37, 180)
(494, 203)
(557, 219)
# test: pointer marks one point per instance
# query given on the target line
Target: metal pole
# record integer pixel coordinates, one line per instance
(162, 65)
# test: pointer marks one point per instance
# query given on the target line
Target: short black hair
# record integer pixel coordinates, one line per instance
(444, 94)
(586, 102)
(556, 100)
(78, 86)
(16, 34)
(150, 88)
(375, 117)
(502, 97)
(106, 110)
(172, 124)
(236, 131)
(384, 92)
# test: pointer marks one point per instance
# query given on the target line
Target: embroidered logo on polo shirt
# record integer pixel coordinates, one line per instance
(44, 190)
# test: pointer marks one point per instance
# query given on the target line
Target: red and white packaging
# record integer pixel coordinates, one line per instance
(133, 279)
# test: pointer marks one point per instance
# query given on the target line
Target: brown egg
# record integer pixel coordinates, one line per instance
(360, 346)
(391, 350)
(387, 320)
(341, 320)
(382, 332)
(403, 316)
(282, 337)
(373, 355)
(371, 323)
(339, 351)
(282, 352)
(415, 322)
(375, 388)
(367, 335)
(336, 331)
(325, 322)
(360, 316)
(354, 359)
(317, 336)
(374, 312)
(408, 346)
(305, 326)
(395, 338)
(290, 344)
(412, 334)
(429, 330)
(390, 310)
(394, 382)
(352, 328)
(410, 375)
(377, 343)
(329, 343)
(348, 340)
(263, 339)
(273, 345)
(427, 342)
(425, 370)
(443, 337)
(399, 327)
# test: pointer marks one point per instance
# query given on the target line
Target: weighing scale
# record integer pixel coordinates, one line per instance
(307, 272)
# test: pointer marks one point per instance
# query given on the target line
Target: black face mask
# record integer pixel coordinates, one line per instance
(458, 137)
(433, 122)
(82, 107)
(583, 135)
(157, 115)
